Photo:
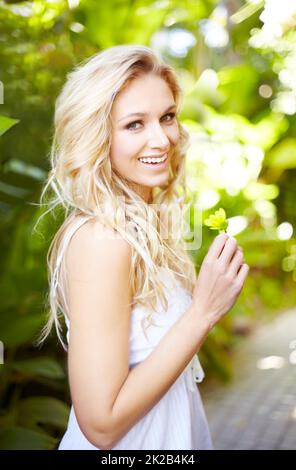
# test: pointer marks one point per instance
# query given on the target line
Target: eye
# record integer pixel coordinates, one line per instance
(131, 125)
(172, 115)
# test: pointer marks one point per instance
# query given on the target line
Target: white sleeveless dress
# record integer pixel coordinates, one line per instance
(177, 421)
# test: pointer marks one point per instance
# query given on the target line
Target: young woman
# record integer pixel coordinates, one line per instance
(135, 312)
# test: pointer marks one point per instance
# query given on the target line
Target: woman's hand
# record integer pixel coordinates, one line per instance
(220, 280)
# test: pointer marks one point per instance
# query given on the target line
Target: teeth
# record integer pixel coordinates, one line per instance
(153, 160)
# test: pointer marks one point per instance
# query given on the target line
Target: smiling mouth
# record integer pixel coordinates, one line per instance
(150, 161)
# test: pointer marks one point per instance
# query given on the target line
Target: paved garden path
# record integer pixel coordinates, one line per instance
(258, 409)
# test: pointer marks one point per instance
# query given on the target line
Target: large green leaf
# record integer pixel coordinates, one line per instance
(6, 123)
(18, 438)
(18, 329)
(283, 155)
(42, 366)
(42, 410)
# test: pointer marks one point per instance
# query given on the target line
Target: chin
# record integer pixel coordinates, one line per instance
(159, 180)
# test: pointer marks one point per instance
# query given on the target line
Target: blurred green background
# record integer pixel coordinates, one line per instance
(236, 61)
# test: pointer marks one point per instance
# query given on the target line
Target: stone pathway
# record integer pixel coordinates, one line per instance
(258, 409)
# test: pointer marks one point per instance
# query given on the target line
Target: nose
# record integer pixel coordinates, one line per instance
(158, 138)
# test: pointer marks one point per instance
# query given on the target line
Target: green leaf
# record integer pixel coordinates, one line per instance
(18, 438)
(18, 329)
(283, 155)
(256, 190)
(42, 410)
(42, 366)
(6, 123)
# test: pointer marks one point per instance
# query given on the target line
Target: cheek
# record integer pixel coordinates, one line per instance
(174, 135)
(123, 149)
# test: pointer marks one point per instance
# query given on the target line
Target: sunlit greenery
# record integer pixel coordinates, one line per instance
(236, 63)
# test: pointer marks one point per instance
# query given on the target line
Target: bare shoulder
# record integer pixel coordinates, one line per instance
(94, 243)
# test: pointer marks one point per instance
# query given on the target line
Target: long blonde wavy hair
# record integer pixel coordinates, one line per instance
(83, 182)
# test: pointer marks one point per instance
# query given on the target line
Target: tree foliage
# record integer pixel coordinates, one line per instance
(236, 63)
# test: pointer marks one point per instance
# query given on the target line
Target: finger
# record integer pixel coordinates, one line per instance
(217, 245)
(236, 262)
(242, 273)
(228, 250)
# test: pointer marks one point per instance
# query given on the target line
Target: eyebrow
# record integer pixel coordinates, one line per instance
(145, 114)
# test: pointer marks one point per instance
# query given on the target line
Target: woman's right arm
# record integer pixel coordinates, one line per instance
(107, 397)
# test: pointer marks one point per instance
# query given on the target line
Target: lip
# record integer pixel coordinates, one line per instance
(154, 156)
(157, 166)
